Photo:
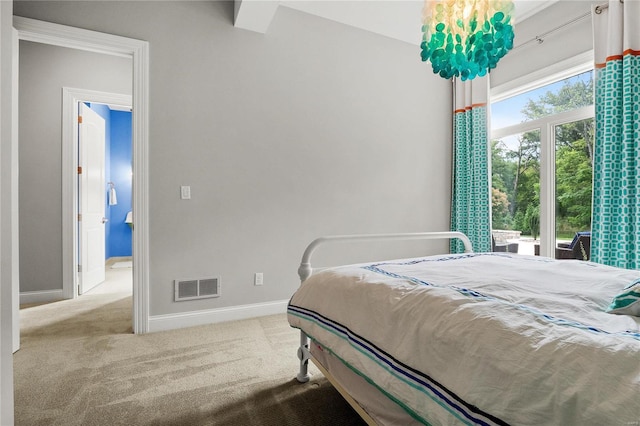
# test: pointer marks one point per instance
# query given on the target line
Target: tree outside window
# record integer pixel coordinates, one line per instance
(516, 161)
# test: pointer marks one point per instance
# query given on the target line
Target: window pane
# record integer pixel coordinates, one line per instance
(574, 176)
(564, 95)
(515, 192)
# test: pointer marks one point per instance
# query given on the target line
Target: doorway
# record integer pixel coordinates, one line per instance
(78, 267)
(75, 38)
(104, 201)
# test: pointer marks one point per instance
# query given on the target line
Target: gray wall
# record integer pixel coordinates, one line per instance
(44, 71)
(565, 43)
(314, 128)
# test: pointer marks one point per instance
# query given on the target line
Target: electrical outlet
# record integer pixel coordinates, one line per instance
(258, 278)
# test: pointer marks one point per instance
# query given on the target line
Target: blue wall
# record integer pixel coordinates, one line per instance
(118, 162)
(119, 241)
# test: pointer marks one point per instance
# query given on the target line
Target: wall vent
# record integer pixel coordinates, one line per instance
(196, 289)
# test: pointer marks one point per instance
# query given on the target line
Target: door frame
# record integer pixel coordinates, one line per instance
(70, 99)
(75, 38)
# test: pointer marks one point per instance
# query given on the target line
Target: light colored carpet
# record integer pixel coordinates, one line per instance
(79, 364)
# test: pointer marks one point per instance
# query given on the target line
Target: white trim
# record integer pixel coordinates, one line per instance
(548, 190)
(115, 259)
(211, 316)
(556, 72)
(8, 288)
(42, 296)
(15, 194)
(554, 119)
(140, 194)
(76, 38)
(70, 99)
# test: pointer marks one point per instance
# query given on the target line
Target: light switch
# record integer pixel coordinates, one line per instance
(185, 192)
(258, 278)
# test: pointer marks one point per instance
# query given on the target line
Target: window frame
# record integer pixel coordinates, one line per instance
(546, 126)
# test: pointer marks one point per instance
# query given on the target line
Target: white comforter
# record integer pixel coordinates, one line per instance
(483, 338)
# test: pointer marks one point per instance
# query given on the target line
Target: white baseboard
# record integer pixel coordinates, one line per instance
(110, 261)
(44, 296)
(211, 316)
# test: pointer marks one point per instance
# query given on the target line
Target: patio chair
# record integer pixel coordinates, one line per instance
(503, 247)
(579, 248)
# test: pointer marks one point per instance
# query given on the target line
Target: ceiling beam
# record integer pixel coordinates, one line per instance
(254, 15)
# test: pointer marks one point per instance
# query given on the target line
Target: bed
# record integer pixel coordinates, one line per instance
(472, 338)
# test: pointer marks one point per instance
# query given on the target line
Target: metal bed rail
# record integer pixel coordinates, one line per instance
(305, 270)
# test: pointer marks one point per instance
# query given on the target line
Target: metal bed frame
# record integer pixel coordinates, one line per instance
(305, 271)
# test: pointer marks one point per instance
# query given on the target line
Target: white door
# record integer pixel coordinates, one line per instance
(92, 192)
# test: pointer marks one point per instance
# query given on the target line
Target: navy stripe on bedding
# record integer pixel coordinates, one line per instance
(420, 381)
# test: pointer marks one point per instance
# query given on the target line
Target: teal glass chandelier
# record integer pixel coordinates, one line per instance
(466, 38)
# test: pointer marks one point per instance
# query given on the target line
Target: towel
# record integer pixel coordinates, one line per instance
(113, 198)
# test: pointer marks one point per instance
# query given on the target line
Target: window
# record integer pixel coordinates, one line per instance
(541, 149)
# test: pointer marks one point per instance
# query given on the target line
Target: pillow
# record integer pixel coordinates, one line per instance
(628, 301)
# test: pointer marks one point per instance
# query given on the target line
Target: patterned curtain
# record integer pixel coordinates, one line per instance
(615, 229)
(471, 200)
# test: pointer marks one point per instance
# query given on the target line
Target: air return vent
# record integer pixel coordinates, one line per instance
(196, 289)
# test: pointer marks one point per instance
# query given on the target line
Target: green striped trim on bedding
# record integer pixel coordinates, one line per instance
(404, 406)
(464, 412)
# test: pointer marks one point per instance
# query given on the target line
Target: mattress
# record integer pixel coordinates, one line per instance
(380, 409)
(482, 338)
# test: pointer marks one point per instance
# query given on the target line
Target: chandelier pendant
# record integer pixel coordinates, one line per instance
(466, 38)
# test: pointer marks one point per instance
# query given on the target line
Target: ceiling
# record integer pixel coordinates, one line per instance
(398, 19)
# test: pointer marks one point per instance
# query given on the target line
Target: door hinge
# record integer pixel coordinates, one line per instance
(79, 119)
(79, 170)
(79, 217)
(79, 270)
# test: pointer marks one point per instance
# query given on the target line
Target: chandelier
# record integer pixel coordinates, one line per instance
(466, 38)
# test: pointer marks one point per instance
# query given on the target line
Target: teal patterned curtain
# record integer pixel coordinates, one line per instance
(471, 199)
(615, 229)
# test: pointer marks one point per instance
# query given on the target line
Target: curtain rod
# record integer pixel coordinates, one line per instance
(602, 7)
(540, 38)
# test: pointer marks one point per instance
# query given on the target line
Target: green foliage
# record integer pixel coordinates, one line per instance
(570, 96)
(519, 222)
(502, 167)
(573, 187)
(528, 189)
(501, 216)
(532, 220)
(516, 173)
